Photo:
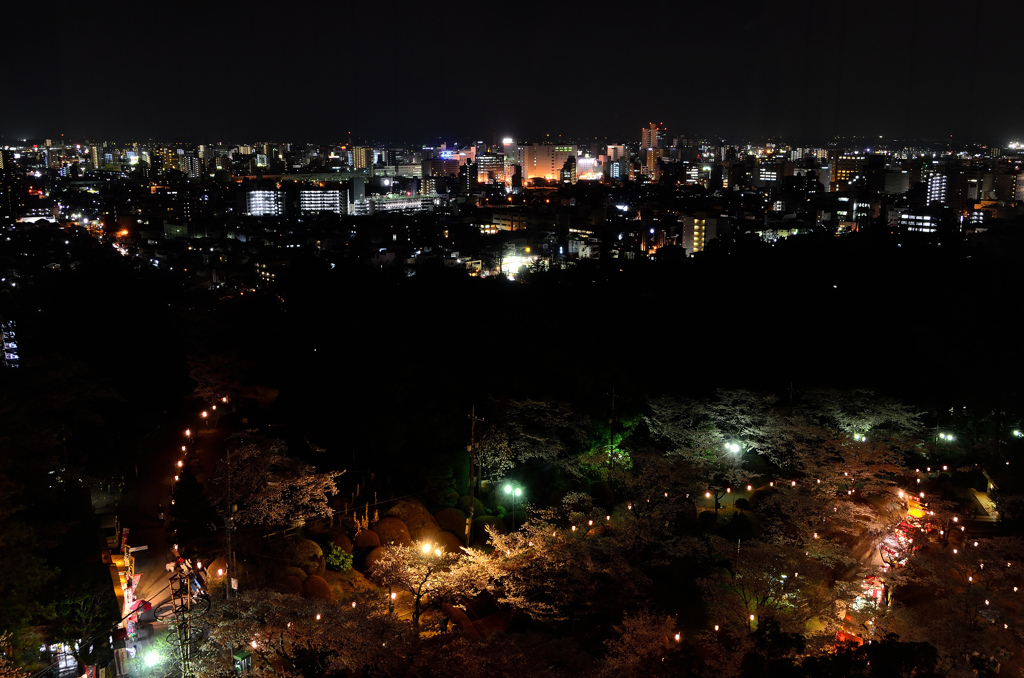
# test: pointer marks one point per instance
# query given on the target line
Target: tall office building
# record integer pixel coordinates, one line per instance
(650, 135)
(652, 143)
(490, 168)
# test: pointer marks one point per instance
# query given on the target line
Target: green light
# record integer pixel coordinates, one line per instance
(508, 489)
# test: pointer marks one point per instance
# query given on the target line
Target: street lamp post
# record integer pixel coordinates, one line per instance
(515, 492)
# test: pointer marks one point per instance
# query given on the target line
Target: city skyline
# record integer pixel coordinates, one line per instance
(905, 69)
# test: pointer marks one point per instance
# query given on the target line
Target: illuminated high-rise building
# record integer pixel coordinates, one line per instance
(846, 168)
(697, 232)
(569, 175)
(652, 141)
(320, 200)
(649, 136)
(362, 157)
(191, 165)
(264, 203)
(541, 161)
(490, 168)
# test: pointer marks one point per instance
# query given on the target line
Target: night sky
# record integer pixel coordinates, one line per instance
(464, 71)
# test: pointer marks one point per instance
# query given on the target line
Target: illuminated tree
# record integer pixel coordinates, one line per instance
(648, 526)
(292, 636)
(757, 579)
(84, 609)
(7, 668)
(862, 413)
(967, 597)
(690, 430)
(555, 573)
(431, 575)
(530, 429)
(643, 644)
(495, 456)
(269, 488)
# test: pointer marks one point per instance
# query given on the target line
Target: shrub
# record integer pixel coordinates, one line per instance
(367, 539)
(743, 504)
(317, 588)
(420, 523)
(479, 526)
(448, 541)
(602, 494)
(707, 519)
(478, 507)
(292, 585)
(372, 557)
(292, 571)
(392, 530)
(452, 520)
(308, 555)
(337, 559)
(343, 542)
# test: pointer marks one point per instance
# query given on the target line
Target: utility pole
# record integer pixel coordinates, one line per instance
(472, 466)
(229, 526)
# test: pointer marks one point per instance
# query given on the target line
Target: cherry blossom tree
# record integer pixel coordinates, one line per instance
(267, 487)
(644, 643)
(531, 429)
(7, 667)
(431, 575)
(292, 636)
